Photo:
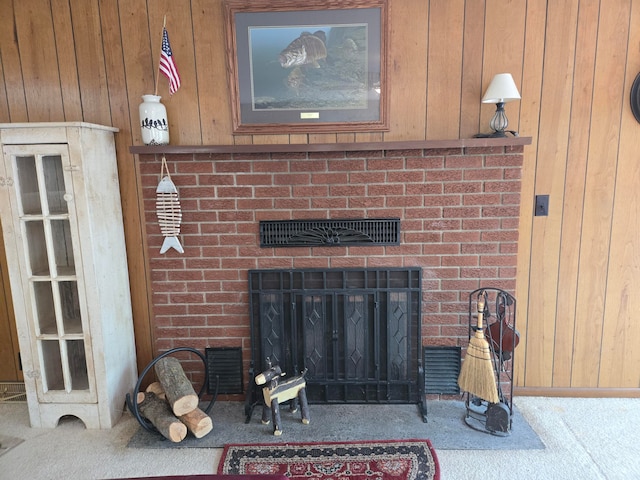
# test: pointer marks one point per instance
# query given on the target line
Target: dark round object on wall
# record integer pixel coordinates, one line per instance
(635, 98)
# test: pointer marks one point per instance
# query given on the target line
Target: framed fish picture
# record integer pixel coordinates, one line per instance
(311, 66)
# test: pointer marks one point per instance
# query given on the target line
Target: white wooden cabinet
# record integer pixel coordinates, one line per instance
(63, 232)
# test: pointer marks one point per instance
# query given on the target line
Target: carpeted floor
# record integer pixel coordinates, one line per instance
(584, 438)
(333, 423)
(7, 443)
(384, 460)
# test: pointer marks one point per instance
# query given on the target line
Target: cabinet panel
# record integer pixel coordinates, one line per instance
(59, 340)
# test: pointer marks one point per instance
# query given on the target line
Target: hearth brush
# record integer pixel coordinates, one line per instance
(477, 375)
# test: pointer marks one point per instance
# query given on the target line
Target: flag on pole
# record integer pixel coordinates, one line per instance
(167, 65)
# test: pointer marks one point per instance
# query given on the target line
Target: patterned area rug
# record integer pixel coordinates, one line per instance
(371, 460)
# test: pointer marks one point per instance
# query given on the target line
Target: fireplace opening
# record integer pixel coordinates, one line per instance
(356, 331)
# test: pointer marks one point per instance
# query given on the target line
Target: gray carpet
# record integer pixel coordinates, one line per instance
(7, 443)
(445, 428)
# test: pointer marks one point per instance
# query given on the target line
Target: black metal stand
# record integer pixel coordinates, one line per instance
(503, 338)
(133, 405)
(251, 400)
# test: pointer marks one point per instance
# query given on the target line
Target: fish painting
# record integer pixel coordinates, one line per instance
(168, 211)
(307, 49)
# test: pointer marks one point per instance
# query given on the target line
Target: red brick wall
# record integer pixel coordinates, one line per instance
(458, 207)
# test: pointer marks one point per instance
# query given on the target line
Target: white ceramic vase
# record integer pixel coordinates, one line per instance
(153, 121)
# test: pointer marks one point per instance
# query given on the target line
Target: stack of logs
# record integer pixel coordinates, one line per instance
(171, 404)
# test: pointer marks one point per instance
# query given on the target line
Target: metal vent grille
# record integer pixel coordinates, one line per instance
(225, 369)
(298, 233)
(441, 370)
(12, 392)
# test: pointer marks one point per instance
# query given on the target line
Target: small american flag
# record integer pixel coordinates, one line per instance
(167, 65)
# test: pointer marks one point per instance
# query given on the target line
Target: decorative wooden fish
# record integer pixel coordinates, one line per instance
(168, 210)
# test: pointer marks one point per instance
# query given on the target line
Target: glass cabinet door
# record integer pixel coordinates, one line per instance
(42, 194)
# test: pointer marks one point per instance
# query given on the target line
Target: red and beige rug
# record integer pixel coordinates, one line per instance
(370, 460)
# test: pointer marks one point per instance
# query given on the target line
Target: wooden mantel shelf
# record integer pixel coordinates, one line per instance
(330, 147)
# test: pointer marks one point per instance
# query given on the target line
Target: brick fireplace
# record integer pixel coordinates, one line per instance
(458, 203)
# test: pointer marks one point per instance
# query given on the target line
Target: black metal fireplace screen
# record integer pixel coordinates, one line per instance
(356, 331)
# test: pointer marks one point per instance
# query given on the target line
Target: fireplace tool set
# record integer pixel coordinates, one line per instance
(493, 339)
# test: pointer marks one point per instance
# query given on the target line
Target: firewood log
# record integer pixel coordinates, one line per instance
(198, 422)
(156, 387)
(159, 413)
(178, 389)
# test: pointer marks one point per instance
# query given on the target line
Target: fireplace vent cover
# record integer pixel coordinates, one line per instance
(225, 368)
(330, 233)
(441, 370)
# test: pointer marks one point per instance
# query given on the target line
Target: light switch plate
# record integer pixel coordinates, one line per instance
(542, 206)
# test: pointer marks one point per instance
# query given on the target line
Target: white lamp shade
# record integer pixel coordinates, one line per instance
(501, 89)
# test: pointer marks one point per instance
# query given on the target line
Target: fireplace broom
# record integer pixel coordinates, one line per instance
(477, 375)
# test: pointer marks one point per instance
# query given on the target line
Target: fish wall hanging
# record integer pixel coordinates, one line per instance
(168, 210)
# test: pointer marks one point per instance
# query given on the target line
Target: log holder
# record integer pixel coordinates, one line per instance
(133, 405)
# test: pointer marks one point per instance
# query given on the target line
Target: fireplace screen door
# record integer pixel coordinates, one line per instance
(356, 331)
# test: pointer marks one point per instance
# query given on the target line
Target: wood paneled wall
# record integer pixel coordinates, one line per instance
(574, 61)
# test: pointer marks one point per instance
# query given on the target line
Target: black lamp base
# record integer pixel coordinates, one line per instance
(495, 134)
